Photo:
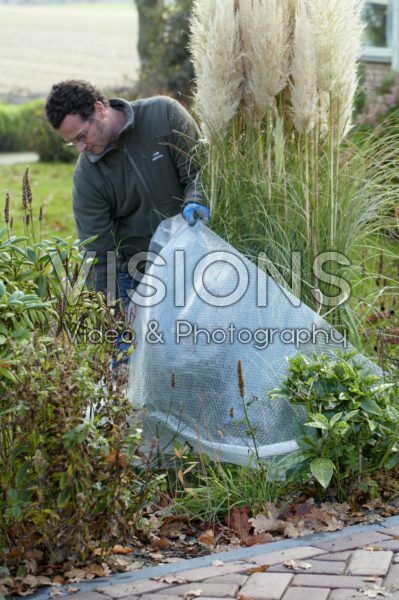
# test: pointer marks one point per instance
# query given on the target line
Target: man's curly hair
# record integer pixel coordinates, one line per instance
(74, 96)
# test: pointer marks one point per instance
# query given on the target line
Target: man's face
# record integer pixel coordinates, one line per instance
(93, 135)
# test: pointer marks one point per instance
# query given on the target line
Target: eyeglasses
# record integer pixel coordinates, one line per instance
(81, 137)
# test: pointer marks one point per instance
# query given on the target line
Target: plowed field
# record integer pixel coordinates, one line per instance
(40, 45)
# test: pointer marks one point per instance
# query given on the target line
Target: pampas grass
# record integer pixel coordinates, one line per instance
(284, 179)
(216, 55)
(304, 93)
(265, 31)
(337, 29)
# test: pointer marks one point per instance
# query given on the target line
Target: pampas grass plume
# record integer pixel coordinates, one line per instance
(337, 28)
(304, 97)
(216, 56)
(265, 36)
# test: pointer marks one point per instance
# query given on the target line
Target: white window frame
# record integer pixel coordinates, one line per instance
(389, 55)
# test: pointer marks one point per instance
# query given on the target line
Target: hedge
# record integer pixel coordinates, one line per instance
(24, 128)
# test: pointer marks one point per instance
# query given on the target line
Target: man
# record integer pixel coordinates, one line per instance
(135, 168)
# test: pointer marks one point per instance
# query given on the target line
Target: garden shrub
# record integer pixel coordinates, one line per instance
(24, 128)
(352, 421)
(72, 477)
(68, 483)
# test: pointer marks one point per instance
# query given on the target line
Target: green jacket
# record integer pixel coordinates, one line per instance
(145, 177)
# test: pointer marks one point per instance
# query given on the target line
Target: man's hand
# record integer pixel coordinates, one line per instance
(194, 211)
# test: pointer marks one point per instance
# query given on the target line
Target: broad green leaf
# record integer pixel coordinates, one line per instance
(319, 421)
(371, 406)
(322, 470)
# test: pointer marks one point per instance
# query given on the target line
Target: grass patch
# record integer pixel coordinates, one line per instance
(52, 189)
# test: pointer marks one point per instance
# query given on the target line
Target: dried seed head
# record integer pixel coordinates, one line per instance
(7, 209)
(11, 222)
(26, 190)
(41, 213)
(173, 381)
(241, 385)
(27, 219)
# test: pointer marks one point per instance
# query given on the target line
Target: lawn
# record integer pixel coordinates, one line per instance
(51, 188)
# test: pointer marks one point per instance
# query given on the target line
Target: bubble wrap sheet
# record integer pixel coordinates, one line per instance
(188, 385)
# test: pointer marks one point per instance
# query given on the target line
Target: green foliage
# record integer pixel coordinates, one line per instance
(72, 476)
(277, 194)
(68, 483)
(165, 62)
(51, 186)
(215, 489)
(352, 421)
(24, 128)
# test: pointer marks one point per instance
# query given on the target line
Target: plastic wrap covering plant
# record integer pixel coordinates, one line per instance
(210, 388)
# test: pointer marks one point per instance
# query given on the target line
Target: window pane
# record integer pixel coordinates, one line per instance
(376, 25)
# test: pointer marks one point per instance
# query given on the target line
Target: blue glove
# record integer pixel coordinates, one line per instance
(193, 211)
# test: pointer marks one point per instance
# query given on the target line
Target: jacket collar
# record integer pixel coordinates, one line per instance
(127, 108)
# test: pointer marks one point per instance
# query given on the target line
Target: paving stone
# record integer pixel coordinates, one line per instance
(367, 562)
(265, 586)
(155, 596)
(306, 593)
(390, 530)
(336, 556)
(160, 596)
(353, 541)
(135, 588)
(214, 590)
(332, 581)
(208, 572)
(318, 566)
(390, 545)
(392, 578)
(347, 594)
(279, 556)
(90, 596)
(230, 578)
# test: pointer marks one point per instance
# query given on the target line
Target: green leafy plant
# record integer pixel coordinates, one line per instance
(351, 419)
(72, 477)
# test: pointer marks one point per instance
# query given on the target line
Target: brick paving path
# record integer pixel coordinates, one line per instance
(353, 564)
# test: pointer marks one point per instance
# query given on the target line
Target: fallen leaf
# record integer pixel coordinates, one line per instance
(374, 548)
(370, 579)
(260, 569)
(118, 549)
(42, 580)
(207, 538)
(160, 543)
(297, 566)
(172, 528)
(374, 592)
(75, 574)
(192, 593)
(269, 522)
(98, 570)
(58, 580)
(170, 579)
(217, 563)
(56, 592)
(238, 521)
(71, 589)
(291, 531)
(259, 538)
(156, 555)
